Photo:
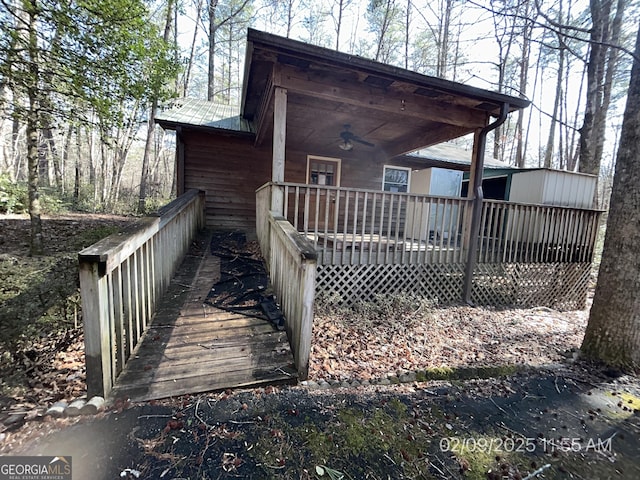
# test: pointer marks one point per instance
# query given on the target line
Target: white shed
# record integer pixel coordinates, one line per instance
(553, 187)
(549, 187)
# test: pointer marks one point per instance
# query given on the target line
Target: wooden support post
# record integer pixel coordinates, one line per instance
(279, 145)
(466, 224)
(478, 197)
(179, 162)
(307, 293)
(95, 314)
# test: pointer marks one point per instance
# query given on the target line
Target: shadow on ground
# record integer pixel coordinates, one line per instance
(559, 422)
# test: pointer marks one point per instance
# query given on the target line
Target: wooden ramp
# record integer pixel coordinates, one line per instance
(192, 347)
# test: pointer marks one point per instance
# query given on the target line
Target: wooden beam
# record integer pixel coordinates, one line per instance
(264, 115)
(410, 142)
(279, 146)
(355, 93)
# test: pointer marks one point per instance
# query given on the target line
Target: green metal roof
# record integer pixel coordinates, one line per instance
(205, 114)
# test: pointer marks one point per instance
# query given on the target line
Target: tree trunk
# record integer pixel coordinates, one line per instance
(211, 77)
(142, 197)
(524, 77)
(613, 331)
(144, 177)
(77, 177)
(600, 10)
(443, 41)
(613, 55)
(37, 243)
(383, 30)
(43, 163)
(339, 23)
(192, 50)
(548, 153)
(407, 37)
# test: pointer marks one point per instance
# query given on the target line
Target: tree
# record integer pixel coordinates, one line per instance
(218, 15)
(83, 61)
(601, 67)
(157, 74)
(613, 331)
(337, 13)
(385, 23)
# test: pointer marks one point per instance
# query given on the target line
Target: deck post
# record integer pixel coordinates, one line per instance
(279, 145)
(95, 318)
(478, 197)
(307, 292)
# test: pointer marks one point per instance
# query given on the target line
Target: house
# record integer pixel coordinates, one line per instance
(329, 135)
(322, 100)
(315, 163)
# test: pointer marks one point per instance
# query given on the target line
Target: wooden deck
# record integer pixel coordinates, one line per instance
(192, 347)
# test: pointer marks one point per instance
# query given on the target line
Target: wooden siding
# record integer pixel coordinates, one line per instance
(230, 169)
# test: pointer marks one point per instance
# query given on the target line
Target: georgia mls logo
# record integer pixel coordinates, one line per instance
(35, 468)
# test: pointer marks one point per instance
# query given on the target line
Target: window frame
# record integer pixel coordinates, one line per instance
(336, 161)
(394, 167)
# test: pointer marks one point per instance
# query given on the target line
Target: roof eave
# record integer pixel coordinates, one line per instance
(323, 55)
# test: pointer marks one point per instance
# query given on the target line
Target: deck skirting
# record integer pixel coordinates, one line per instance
(562, 286)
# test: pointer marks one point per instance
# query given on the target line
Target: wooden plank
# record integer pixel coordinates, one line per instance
(355, 93)
(211, 332)
(192, 347)
(95, 314)
(279, 146)
(204, 383)
(191, 364)
(216, 347)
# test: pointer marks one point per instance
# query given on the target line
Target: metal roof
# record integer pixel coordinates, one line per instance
(202, 113)
(454, 154)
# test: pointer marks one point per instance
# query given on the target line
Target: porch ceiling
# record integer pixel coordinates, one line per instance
(397, 110)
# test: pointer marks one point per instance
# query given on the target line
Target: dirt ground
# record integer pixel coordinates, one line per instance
(559, 422)
(540, 414)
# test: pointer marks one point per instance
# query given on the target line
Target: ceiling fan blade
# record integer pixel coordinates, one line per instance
(364, 142)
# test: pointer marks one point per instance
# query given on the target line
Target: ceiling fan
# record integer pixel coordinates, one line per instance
(348, 137)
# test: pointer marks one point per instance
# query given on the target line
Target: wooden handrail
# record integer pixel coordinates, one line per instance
(292, 262)
(122, 278)
(359, 226)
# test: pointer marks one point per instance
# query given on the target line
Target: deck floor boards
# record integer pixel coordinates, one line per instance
(193, 347)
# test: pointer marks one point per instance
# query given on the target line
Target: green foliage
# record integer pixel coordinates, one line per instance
(13, 196)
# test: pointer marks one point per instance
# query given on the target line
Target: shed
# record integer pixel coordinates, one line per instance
(553, 187)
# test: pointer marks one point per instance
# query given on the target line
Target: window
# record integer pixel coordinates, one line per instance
(396, 179)
(323, 171)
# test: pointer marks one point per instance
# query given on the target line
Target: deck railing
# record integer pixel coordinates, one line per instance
(512, 232)
(122, 278)
(292, 262)
(357, 226)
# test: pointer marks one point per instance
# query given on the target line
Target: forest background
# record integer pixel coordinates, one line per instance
(82, 80)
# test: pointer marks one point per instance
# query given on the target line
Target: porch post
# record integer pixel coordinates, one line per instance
(179, 162)
(279, 143)
(475, 185)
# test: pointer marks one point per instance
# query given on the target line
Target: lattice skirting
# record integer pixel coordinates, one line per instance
(346, 284)
(562, 286)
